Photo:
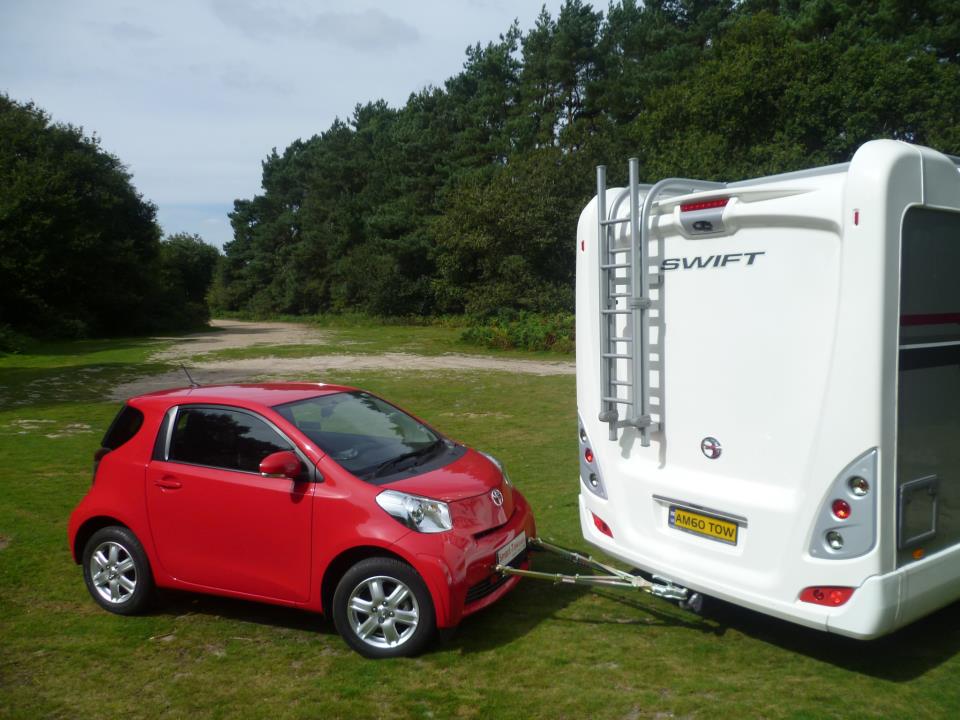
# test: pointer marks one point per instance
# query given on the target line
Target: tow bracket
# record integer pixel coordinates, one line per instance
(611, 577)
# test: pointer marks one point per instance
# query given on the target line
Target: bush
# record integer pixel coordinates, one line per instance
(10, 340)
(524, 331)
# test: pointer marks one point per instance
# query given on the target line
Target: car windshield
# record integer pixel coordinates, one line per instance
(365, 435)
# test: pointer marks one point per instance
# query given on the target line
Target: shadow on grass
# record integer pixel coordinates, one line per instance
(519, 612)
(905, 655)
(534, 602)
(176, 602)
(32, 386)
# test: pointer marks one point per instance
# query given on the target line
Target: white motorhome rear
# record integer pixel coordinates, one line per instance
(768, 386)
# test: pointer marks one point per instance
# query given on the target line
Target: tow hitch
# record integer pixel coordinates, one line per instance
(610, 577)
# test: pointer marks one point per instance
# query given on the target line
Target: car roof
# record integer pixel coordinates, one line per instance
(261, 394)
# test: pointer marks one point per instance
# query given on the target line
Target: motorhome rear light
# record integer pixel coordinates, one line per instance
(588, 455)
(601, 525)
(841, 509)
(826, 595)
(859, 486)
(593, 480)
(704, 205)
(835, 540)
(583, 435)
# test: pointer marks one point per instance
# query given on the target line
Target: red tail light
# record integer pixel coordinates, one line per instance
(827, 595)
(602, 526)
(841, 509)
(588, 455)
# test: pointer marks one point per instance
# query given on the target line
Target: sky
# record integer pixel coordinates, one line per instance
(192, 95)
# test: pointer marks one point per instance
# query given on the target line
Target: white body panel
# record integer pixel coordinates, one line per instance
(789, 358)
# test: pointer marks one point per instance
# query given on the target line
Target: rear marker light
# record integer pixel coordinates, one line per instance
(583, 435)
(859, 486)
(841, 509)
(826, 595)
(704, 205)
(601, 525)
(588, 455)
(593, 480)
(856, 217)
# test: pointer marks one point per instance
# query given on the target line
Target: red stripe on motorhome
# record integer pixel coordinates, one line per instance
(933, 319)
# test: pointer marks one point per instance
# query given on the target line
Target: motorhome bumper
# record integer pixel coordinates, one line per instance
(880, 604)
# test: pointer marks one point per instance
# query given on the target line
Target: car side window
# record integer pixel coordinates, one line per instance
(222, 438)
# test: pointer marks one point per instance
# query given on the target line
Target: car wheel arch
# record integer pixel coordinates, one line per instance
(88, 528)
(338, 567)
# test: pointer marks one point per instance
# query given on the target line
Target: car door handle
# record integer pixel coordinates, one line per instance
(168, 483)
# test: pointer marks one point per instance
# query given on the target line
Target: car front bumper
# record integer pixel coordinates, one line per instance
(458, 567)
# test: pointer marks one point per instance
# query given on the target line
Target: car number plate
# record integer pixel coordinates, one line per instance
(513, 548)
(704, 525)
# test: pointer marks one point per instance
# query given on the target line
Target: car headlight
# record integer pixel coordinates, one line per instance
(503, 470)
(417, 513)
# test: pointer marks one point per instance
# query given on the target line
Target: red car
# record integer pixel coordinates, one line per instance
(313, 496)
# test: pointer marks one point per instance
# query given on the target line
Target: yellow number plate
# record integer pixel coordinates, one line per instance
(703, 525)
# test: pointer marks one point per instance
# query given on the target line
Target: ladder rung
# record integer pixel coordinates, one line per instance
(614, 266)
(622, 401)
(618, 295)
(624, 383)
(620, 339)
(616, 221)
(615, 312)
(618, 356)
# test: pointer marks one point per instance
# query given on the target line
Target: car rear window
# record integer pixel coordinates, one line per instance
(125, 425)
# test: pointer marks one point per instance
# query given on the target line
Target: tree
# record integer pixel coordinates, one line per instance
(187, 266)
(79, 246)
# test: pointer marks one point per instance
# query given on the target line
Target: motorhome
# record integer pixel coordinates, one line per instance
(768, 386)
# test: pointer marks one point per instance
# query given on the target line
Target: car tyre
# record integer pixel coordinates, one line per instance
(116, 571)
(382, 609)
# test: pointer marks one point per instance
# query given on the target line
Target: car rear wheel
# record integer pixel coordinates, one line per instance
(382, 609)
(116, 571)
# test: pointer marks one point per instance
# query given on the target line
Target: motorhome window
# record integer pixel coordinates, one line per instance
(929, 291)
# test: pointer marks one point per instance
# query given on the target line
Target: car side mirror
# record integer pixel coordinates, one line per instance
(283, 464)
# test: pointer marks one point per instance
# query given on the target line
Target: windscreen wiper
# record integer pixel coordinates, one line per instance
(393, 462)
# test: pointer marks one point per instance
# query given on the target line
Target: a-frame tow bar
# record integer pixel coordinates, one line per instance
(610, 577)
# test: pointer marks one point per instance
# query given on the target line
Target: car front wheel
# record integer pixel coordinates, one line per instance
(116, 571)
(382, 609)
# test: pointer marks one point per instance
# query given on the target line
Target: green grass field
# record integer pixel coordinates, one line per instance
(545, 651)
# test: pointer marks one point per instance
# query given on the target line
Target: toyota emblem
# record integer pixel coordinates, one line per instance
(497, 498)
(711, 448)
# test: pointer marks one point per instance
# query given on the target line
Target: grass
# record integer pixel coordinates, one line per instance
(544, 651)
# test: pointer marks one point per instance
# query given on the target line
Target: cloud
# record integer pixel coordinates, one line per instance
(370, 29)
(128, 31)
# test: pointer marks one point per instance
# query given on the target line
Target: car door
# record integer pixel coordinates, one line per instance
(215, 521)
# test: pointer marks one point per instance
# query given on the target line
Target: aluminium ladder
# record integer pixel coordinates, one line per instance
(625, 284)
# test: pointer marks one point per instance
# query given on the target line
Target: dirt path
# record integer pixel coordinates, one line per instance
(238, 334)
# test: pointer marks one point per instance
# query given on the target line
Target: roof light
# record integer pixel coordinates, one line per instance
(704, 205)
(826, 595)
